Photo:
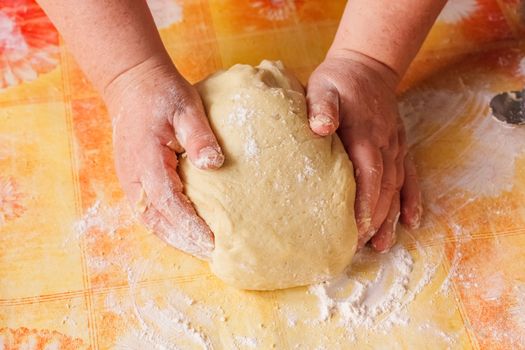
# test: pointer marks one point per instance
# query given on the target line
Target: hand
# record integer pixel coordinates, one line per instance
(355, 95)
(157, 113)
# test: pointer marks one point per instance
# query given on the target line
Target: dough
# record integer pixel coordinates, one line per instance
(282, 205)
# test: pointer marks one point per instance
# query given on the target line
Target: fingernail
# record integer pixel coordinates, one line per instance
(209, 158)
(322, 122)
(391, 242)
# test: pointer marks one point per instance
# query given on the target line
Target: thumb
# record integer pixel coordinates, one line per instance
(323, 108)
(194, 133)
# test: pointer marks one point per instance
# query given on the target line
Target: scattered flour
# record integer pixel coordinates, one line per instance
(308, 170)
(246, 342)
(157, 327)
(163, 324)
(449, 340)
(518, 310)
(485, 168)
(239, 118)
(251, 149)
(373, 304)
(103, 217)
(369, 301)
(240, 114)
(494, 287)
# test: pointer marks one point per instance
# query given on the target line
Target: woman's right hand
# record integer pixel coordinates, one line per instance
(157, 114)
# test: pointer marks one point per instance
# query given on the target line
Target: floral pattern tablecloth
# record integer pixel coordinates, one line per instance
(78, 272)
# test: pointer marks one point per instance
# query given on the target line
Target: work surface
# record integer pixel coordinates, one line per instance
(77, 271)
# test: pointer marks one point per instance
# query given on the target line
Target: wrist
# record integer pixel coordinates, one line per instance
(387, 74)
(156, 67)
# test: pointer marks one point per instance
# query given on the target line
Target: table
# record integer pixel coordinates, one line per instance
(77, 271)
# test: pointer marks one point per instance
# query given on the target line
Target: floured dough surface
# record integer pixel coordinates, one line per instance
(282, 205)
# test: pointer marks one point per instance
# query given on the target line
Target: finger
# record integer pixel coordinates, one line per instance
(184, 241)
(175, 146)
(194, 133)
(388, 189)
(163, 189)
(368, 164)
(411, 203)
(385, 238)
(323, 108)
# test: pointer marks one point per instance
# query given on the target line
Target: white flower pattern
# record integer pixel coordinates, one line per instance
(165, 12)
(28, 43)
(457, 10)
(274, 10)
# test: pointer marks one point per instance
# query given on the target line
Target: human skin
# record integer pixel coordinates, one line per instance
(353, 92)
(157, 113)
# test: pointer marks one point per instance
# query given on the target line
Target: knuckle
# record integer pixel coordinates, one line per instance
(391, 150)
(411, 177)
(369, 172)
(184, 106)
(389, 187)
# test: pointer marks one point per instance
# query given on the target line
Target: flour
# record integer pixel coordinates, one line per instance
(251, 149)
(484, 168)
(373, 304)
(51, 346)
(308, 170)
(240, 118)
(449, 340)
(246, 342)
(161, 327)
(240, 114)
(494, 287)
(518, 309)
(291, 320)
(163, 324)
(98, 264)
(368, 304)
(104, 218)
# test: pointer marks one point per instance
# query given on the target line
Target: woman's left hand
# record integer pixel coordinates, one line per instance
(354, 95)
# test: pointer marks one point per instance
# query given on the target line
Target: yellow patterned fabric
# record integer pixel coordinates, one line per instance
(77, 271)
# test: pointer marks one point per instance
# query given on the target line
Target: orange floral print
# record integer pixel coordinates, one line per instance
(28, 42)
(275, 10)
(10, 201)
(24, 338)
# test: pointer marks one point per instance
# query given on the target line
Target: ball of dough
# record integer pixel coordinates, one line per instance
(282, 205)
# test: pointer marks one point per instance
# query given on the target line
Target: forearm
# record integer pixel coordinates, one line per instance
(390, 32)
(107, 37)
